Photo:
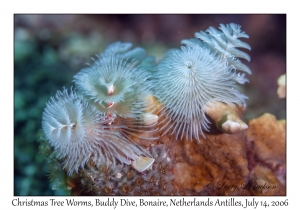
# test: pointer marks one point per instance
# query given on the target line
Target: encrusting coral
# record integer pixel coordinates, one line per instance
(118, 129)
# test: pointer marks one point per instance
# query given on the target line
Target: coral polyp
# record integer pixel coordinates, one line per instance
(198, 75)
(123, 180)
(78, 132)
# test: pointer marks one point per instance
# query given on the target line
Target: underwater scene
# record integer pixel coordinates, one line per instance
(148, 105)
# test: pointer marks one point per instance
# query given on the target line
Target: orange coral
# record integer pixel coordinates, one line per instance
(266, 138)
(269, 138)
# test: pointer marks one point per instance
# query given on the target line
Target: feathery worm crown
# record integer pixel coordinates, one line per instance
(118, 84)
(200, 73)
(115, 83)
(224, 43)
(71, 126)
(78, 132)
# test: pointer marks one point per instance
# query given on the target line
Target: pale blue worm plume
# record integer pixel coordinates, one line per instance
(118, 85)
(224, 44)
(204, 71)
(78, 132)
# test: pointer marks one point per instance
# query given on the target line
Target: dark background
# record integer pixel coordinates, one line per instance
(50, 49)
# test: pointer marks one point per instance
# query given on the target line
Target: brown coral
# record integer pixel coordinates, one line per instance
(203, 167)
(236, 164)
